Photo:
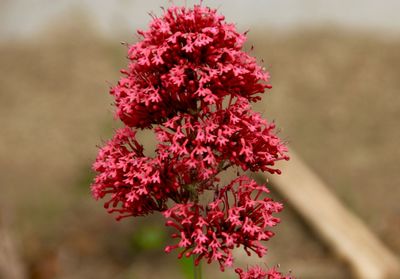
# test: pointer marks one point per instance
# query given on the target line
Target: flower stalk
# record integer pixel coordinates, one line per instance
(196, 269)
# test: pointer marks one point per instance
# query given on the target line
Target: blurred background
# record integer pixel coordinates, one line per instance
(335, 69)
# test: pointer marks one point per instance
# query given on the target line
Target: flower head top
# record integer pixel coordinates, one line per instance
(188, 60)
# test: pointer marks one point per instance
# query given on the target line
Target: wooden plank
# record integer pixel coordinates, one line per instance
(11, 266)
(343, 231)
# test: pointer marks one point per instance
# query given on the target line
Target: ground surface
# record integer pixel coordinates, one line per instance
(335, 97)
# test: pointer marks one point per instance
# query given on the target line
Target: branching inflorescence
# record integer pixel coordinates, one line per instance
(190, 80)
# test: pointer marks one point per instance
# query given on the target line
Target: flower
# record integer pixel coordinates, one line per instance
(200, 146)
(188, 59)
(190, 80)
(240, 215)
(135, 182)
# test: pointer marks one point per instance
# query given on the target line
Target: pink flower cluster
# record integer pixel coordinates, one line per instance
(189, 58)
(239, 215)
(136, 182)
(257, 272)
(189, 79)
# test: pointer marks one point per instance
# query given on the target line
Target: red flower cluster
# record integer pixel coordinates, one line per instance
(239, 215)
(257, 272)
(135, 182)
(189, 78)
(189, 58)
(235, 135)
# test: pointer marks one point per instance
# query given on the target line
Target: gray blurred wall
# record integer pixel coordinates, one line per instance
(24, 18)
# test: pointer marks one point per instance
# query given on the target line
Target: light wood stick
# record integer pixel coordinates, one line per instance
(11, 266)
(343, 231)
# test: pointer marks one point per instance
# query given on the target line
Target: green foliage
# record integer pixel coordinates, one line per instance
(148, 237)
(187, 267)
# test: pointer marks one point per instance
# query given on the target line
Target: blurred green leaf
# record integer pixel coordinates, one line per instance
(149, 238)
(187, 267)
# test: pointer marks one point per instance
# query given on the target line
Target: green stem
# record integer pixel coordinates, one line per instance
(196, 270)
